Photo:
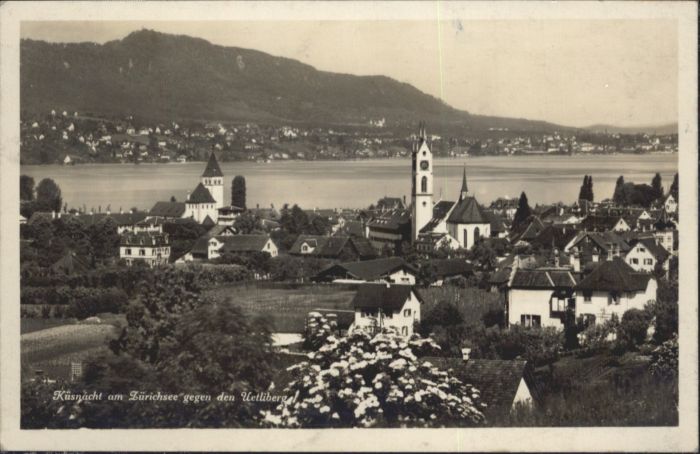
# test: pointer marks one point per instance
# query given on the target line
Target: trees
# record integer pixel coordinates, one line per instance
(523, 212)
(248, 222)
(48, 196)
(364, 381)
(673, 190)
(586, 192)
(657, 187)
(619, 195)
(633, 329)
(445, 324)
(26, 188)
(238, 192)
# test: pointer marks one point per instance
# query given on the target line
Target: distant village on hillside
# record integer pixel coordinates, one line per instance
(61, 137)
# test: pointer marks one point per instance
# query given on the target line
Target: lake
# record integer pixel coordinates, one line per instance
(355, 184)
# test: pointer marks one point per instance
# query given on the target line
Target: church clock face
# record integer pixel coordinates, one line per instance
(424, 165)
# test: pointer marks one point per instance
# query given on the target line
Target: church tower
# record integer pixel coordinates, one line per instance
(422, 183)
(213, 180)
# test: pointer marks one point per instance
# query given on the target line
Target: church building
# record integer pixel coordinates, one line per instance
(208, 196)
(454, 224)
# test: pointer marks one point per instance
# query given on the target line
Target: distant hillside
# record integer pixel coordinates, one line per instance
(161, 76)
(671, 128)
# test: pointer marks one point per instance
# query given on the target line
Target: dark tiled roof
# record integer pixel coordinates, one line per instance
(600, 223)
(381, 295)
(208, 222)
(363, 246)
(168, 209)
(394, 220)
(70, 263)
(144, 239)
(559, 236)
(201, 195)
(542, 279)
(467, 211)
(370, 270)
(497, 380)
(614, 275)
(451, 267)
(243, 243)
(212, 169)
(440, 211)
(354, 228)
(603, 239)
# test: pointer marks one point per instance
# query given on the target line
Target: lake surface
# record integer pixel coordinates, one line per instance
(355, 184)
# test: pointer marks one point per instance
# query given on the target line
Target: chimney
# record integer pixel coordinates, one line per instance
(556, 257)
(388, 285)
(465, 354)
(121, 211)
(53, 214)
(187, 199)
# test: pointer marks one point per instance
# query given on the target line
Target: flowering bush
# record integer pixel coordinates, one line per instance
(597, 337)
(664, 359)
(318, 328)
(364, 381)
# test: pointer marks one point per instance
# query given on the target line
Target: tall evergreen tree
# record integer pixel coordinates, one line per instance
(619, 194)
(589, 189)
(238, 192)
(656, 186)
(26, 188)
(673, 190)
(523, 212)
(583, 192)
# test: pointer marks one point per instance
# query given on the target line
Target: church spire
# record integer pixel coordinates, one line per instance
(465, 190)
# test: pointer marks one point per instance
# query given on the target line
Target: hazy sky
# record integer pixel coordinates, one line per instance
(572, 72)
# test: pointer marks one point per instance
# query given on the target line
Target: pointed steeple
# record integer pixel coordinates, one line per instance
(212, 169)
(465, 190)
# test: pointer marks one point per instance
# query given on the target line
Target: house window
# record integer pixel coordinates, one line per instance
(404, 330)
(634, 261)
(559, 305)
(531, 321)
(304, 248)
(648, 262)
(142, 252)
(389, 314)
(587, 296)
(127, 251)
(407, 312)
(613, 298)
(424, 184)
(587, 319)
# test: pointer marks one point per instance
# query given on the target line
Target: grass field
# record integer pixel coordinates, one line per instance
(285, 308)
(53, 349)
(29, 325)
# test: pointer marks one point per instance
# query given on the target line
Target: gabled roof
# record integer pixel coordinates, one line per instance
(467, 211)
(602, 240)
(70, 263)
(168, 209)
(659, 253)
(201, 195)
(497, 380)
(212, 169)
(208, 222)
(242, 243)
(381, 295)
(600, 223)
(542, 278)
(614, 275)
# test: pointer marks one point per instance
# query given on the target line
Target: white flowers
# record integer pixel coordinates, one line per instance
(372, 381)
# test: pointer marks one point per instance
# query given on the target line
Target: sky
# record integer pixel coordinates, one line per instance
(570, 72)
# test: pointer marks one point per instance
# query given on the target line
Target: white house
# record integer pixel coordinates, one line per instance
(645, 254)
(539, 297)
(670, 204)
(240, 244)
(613, 288)
(150, 248)
(380, 305)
